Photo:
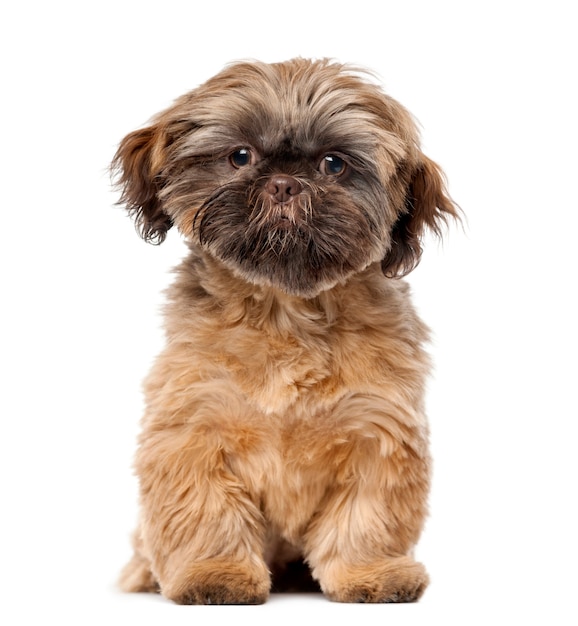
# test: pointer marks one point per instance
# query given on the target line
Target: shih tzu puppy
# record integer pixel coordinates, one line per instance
(284, 429)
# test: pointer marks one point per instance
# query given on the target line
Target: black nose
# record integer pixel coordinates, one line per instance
(283, 187)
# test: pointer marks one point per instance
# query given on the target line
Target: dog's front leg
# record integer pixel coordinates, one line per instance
(201, 531)
(359, 544)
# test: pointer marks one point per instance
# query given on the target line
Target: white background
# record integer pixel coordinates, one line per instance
(494, 87)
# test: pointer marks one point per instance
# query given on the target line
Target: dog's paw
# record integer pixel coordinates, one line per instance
(394, 580)
(218, 581)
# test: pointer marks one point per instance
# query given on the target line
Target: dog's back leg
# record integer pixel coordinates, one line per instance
(137, 575)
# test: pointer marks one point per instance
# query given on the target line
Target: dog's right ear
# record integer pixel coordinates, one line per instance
(137, 166)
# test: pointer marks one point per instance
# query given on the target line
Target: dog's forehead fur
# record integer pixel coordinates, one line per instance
(309, 107)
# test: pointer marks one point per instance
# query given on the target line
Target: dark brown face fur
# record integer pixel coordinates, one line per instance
(294, 175)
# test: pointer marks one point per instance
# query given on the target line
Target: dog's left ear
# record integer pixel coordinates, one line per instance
(427, 205)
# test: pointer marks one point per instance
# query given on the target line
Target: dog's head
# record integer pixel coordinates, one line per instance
(295, 175)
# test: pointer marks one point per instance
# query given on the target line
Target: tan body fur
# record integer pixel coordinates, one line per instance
(281, 427)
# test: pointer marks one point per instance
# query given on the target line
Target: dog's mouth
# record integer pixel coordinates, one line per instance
(283, 221)
(279, 215)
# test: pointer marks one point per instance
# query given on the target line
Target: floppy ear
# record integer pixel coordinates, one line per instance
(427, 205)
(138, 165)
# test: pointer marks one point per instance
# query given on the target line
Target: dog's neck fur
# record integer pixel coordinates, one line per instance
(205, 279)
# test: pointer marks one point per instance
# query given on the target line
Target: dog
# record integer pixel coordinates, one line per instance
(284, 441)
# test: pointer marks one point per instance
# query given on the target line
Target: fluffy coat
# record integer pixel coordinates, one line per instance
(285, 418)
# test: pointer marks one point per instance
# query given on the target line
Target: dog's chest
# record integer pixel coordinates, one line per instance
(274, 373)
(297, 361)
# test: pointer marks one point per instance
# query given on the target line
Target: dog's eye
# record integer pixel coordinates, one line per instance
(332, 165)
(241, 157)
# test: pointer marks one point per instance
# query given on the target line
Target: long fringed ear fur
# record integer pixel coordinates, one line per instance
(427, 205)
(137, 166)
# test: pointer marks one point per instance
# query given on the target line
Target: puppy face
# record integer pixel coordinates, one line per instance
(294, 175)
